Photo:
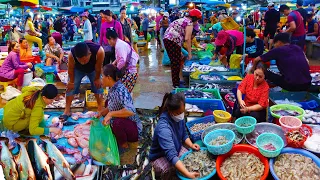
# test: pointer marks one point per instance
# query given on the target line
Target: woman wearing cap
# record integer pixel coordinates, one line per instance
(179, 31)
(87, 27)
(25, 113)
(226, 42)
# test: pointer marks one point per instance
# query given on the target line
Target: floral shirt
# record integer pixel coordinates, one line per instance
(260, 95)
(119, 98)
(55, 50)
(176, 31)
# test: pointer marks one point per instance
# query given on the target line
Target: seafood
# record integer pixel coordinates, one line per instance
(82, 142)
(222, 87)
(78, 157)
(80, 135)
(92, 98)
(11, 137)
(244, 125)
(313, 142)
(295, 136)
(286, 113)
(203, 68)
(295, 167)
(58, 159)
(23, 163)
(220, 140)
(60, 102)
(201, 126)
(198, 94)
(192, 108)
(200, 161)
(6, 161)
(65, 150)
(242, 166)
(89, 114)
(69, 134)
(311, 117)
(315, 78)
(287, 101)
(73, 142)
(210, 78)
(69, 123)
(269, 147)
(85, 152)
(39, 161)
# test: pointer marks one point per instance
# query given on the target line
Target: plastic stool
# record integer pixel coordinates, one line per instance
(6, 84)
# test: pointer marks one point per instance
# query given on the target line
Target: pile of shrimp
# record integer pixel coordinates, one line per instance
(295, 167)
(242, 166)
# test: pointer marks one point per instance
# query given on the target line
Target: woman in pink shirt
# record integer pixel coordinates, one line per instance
(126, 59)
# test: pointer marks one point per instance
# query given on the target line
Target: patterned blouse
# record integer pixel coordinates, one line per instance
(119, 98)
(176, 31)
(260, 95)
(55, 50)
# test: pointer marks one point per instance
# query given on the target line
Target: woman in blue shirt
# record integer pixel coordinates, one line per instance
(145, 26)
(169, 136)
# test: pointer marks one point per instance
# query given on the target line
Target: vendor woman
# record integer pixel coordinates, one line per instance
(25, 113)
(169, 136)
(119, 111)
(256, 91)
(194, 41)
(226, 42)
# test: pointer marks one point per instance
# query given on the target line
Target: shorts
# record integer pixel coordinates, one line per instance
(78, 75)
(269, 31)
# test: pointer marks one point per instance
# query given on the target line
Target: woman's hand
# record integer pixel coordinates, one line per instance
(106, 120)
(56, 131)
(97, 83)
(242, 104)
(214, 57)
(193, 175)
(189, 56)
(30, 65)
(195, 147)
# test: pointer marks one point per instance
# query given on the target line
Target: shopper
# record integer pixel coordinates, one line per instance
(313, 28)
(85, 59)
(302, 12)
(126, 25)
(126, 59)
(54, 52)
(15, 34)
(24, 114)
(120, 111)
(110, 23)
(70, 27)
(254, 46)
(93, 23)
(87, 28)
(58, 24)
(12, 67)
(158, 19)
(271, 18)
(169, 138)
(291, 62)
(145, 25)
(178, 32)
(137, 19)
(32, 36)
(296, 27)
(256, 91)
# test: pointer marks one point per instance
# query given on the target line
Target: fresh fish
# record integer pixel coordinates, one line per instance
(39, 161)
(73, 142)
(69, 134)
(7, 162)
(82, 142)
(58, 159)
(23, 163)
(85, 152)
(78, 157)
(65, 150)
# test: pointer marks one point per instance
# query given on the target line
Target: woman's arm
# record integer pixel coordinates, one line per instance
(256, 107)
(17, 63)
(36, 118)
(123, 113)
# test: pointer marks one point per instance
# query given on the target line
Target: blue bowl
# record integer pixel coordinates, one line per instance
(245, 120)
(203, 178)
(267, 138)
(315, 159)
(222, 149)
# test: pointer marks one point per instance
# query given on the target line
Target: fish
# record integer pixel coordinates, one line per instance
(58, 159)
(78, 157)
(73, 142)
(82, 142)
(7, 162)
(39, 160)
(23, 162)
(69, 134)
(85, 152)
(65, 150)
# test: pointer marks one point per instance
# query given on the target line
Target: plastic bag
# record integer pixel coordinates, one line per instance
(165, 59)
(235, 60)
(210, 47)
(10, 93)
(204, 54)
(103, 145)
(249, 66)
(148, 37)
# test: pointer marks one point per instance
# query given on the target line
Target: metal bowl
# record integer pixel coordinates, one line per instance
(231, 126)
(265, 128)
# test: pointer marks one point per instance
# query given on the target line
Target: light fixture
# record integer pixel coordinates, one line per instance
(191, 5)
(132, 8)
(238, 18)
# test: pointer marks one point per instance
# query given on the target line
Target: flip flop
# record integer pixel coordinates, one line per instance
(64, 117)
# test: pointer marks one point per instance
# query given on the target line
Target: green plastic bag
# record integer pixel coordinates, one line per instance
(204, 54)
(210, 47)
(149, 37)
(102, 144)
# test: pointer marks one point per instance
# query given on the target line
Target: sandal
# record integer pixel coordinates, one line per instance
(64, 117)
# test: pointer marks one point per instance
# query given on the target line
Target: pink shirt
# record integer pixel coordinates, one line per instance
(123, 49)
(239, 35)
(158, 19)
(103, 31)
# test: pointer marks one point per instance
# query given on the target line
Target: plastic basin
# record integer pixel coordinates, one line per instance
(251, 121)
(221, 116)
(290, 123)
(220, 149)
(267, 138)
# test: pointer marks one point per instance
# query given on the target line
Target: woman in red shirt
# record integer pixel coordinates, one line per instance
(256, 91)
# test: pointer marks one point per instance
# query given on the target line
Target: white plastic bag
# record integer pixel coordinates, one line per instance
(249, 66)
(10, 93)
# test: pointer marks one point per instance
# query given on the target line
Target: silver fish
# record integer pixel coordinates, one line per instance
(39, 161)
(7, 162)
(58, 159)
(23, 163)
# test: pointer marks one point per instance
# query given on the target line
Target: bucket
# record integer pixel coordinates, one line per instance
(27, 78)
(50, 78)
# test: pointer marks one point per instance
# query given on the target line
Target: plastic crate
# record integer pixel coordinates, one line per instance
(195, 136)
(92, 103)
(229, 24)
(214, 92)
(207, 104)
(33, 59)
(314, 69)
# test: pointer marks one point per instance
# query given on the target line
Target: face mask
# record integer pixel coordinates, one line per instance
(178, 118)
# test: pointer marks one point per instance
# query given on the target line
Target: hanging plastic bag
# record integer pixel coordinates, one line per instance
(165, 59)
(103, 145)
(235, 60)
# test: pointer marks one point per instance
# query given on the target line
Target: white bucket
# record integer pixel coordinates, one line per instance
(27, 78)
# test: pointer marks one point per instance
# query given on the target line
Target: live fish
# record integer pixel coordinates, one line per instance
(58, 159)
(23, 162)
(7, 162)
(39, 161)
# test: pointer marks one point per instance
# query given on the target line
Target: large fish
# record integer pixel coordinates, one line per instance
(39, 161)
(58, 159)
(23, 162)
(7, 162)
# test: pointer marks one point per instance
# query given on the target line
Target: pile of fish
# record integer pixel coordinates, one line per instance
(241, 165)
(315, 79)
(90, 114)
(287, 101)
(92, 98)
(32, 162)
(64, 78)
(295, 167)
(295, 136)
(60, 102)
(193, 108)
(222, 87)
(198, 94)
(269, 147)
(203, 68)
(200, 161)
(283, 112)
(201, 126)
(207, 77)
(220, 140)
(311, 117)
(231, 97)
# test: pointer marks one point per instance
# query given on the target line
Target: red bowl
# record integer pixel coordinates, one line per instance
(243, 148)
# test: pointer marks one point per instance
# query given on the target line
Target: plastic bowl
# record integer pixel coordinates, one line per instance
(222, 149)
(286, 107)
(230, 103)
(203, 178)
(230, 126)
(243, 148)
(315, 159)
(290, 123)
(245, 120)
(267, 138)
(221, 116)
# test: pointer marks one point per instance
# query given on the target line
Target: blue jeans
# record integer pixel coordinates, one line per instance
(78, 75)
(299, 40)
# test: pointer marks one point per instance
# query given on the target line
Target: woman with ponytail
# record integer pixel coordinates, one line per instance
(169, 138)
(25, 113)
